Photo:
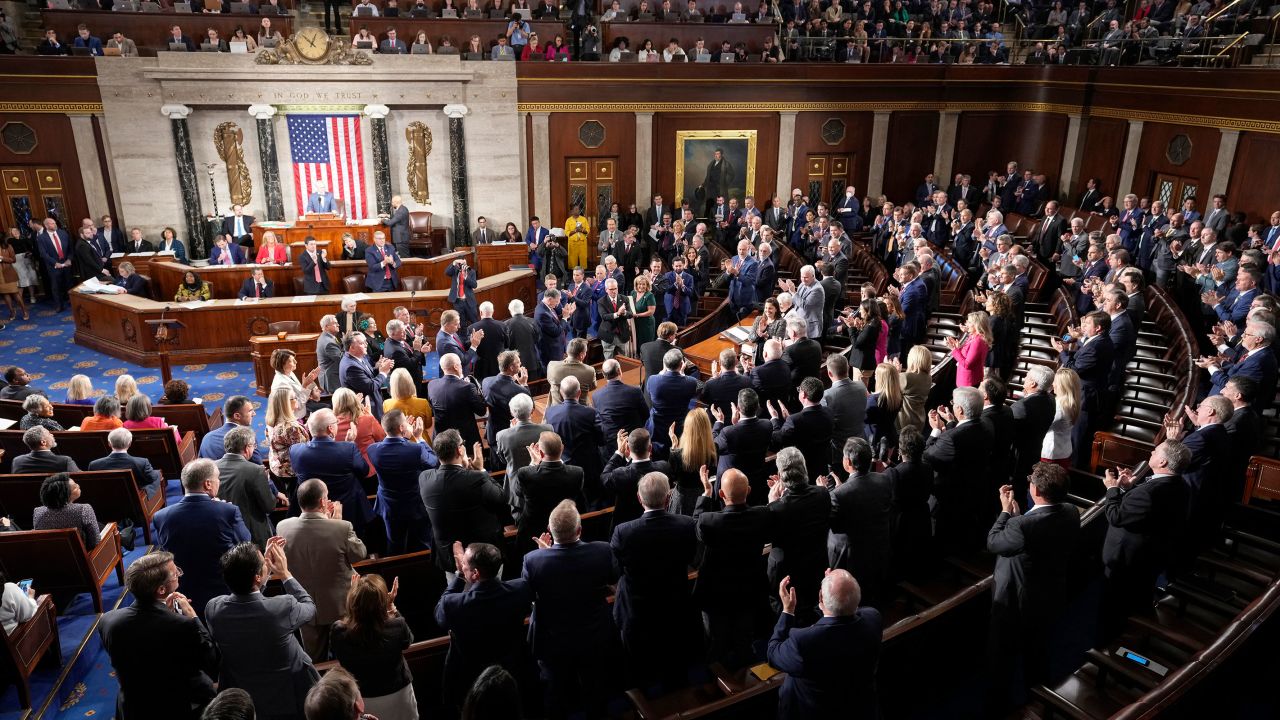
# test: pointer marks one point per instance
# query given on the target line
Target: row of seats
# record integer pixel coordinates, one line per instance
(187, 417)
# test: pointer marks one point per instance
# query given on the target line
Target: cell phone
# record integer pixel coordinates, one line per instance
(1066, 338)
(25, 585)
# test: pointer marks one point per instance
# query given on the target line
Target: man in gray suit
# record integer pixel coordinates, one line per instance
(398, 222)
(574, 364)
(329, 354)
(245, 484)
(41, 458)
(1216, 218)
(321, 546)
(807, 299)
(513, 443)
(256, 634)
(846, 401)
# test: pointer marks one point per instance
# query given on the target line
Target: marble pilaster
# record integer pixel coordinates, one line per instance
(1129, 165)
(644, 158)
(1226, 159)
(197, 229)
(524, 163)
(95, 189)
(542, 166)
(264, 116)
(381, 155)
(786, 150)
(1072, 155)
(879, 151)
(458, 163)
(945, 152)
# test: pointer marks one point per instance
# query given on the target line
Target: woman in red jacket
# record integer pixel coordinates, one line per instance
(271, 252)
(971, 352)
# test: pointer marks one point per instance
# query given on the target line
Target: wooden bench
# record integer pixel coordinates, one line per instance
(58, 561)
(30, 643)
(159, 446)
(113, 494)
(187, 417)
(1262, 479)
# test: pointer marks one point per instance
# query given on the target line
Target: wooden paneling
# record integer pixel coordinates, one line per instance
(809, 141)
(986, 141)
(1253, 186)
(665, 126)
(1103, 155)
(1152, 160)
(619, 142)
(909, 156)
(55, 150)
(225, 280)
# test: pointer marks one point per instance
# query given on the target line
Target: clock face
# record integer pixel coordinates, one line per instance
(312, 43)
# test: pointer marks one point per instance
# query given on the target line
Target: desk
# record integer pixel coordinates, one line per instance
(708, 350)
(262, 346)
(150, 31)
(326, 229)
(688, 33)
(225, 280)
(494, 259)
(219, 331)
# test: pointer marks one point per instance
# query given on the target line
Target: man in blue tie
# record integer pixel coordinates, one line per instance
(321, 200)
(383, 261)
(237, 225)
(1235, 306)
(1271, 239)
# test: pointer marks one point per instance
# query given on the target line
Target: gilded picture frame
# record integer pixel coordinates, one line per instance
(695, 155)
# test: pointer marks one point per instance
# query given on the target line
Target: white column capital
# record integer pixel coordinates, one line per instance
(379, 112)
(456, 111)
(262, 112)
(1229, 133)
(175, 112)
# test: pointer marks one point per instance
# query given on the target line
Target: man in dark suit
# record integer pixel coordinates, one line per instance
(455, 403)
(336, 463)
(225, 252)
(484, 617)
(831, 665)
(809, 430)
(462, 290)
(801, 513)
(620, 406)
(257, 287)
(523, 336)
(1244, 431)
(578, 426)
(463, 503)
(926, 190)
(56, 252)
(353, 249)
(238, 412)
(1091, 198)
(802, 354)
(498, 390)
(314, 266)
(41, 459)
(1124, 339)
(671, 394)
(772, 379)
(954, 449)
(400, 458)
(135, 244)
(1033, 553)
(997, 420)
(237, 226)
(1145, 519)
(766, 273)
(147, 478)
(572, 633)
(164, 660)
(652, 352)
(536, 489)
(553, 327)
(653, 216)
(1205, 475)
(614, 331)
(383, 261)
(493, 340)
(88, 260)
(914, 297)
(621, 475)
(1048, 234)
(1257, 363)
(405, 353)
(731, 590)
(652, 608)
(244, 483)
(17, 384)
(449, 341)
(859, 540)
(398, 222)
(113, 238)
(198, 530)
(1093, 361)
(1033, 414)
(721, 391)
(357, 375)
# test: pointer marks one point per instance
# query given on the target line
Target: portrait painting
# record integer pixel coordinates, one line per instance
(714, 162)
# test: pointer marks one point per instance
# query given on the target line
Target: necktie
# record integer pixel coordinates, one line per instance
(484, 235)
(1273, 236)
(239, 225)
(462, 286)
(257, 290)
(316, 262)
(57, 246)
(226, 255)
(386, 269)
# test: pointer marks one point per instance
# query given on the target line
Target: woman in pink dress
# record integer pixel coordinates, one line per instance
(137, 416)
(971, 353)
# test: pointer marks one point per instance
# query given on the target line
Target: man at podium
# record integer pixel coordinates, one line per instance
(321, 200)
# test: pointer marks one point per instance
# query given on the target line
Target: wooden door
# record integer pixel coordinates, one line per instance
(1172, 190)
(828, 177)
(592, 187)
(29, 193)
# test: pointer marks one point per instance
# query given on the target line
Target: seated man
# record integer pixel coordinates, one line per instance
(392, 46)
(17, 384)
(257, 287)
(225, 253)
(85, 40)
(147, 478)
(50, 45)
(41, 458)
(321, 200)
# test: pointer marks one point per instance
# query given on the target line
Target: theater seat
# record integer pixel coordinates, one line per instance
(285, 326)
(298, 288)
(413, 282)
(30, 643)
(353, 283)
(420, 232)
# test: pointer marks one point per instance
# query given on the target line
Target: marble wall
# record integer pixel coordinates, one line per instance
(221, 88)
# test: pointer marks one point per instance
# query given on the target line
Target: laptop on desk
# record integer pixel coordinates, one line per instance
(418, 50)
(208, 47)
(240, 8)
(182, 7)
(644, 17)
(81, 52)
(177, 47)
(364, 44)
(474, 14)
(267, 42)
(238, 47)
(449, 13)
(472, 56)
(149, 7)
(125, 6)
(703, 58)
(111, 52)
(726, 57)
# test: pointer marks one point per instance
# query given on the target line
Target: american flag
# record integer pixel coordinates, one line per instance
(327, 148)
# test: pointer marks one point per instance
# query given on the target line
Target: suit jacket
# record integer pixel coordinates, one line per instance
(1260, 366)
(468, 283)
(571, 618)
(960, 492)
(1048, 240)
(558, 370)
(808, 303)
(803, 358)
(320, 203)
(43, 461)
(87, 262)
(495, 341)
(846, 403)
(198, 531)
(396, 47)
(671, 395)
(915, 307)
(229, 226)
(400, 463)
(553, 332)
(498, 392)
(260, 651)
(799, 549)
(329, 357)
(524, 337)
(1033, 553)
(464, 505)
(1144, 524)
(622, 479)
(613, 327)
(999, 424)
(830, 665)
(456, 404)
(809, 431)
(403, 355)
(654, 553)
(358, 375)
(452, 343)
(732, 538)
(356, 253)
(164, 661)
(245, 485)
(723, 391)
(341, 466)
(247, 290)
(212, 444)
(116, 241)
(376, 278)
(321, 550)
(535, 492)
(134, 285)
(511, 444)
(860, 539)
(744, 446)
(742, 288)
(485, 622)
(237, 255)
(146, 477)
(771, 381)
(651, 354)
(620, 406)
(307, 267)
(1093, 363)
(1032, 414)
(398, 223)
(48, 253)
(578, 426)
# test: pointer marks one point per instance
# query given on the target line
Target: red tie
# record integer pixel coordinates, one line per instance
(462, 285)
(317, 265)
(226, 255)
(386, 269)
(257, 290)
(57, 246)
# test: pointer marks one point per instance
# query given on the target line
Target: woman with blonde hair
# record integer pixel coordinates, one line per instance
(126, 387)
(80, 390)
(356, 423)
(893, 316)
(284, 430)
(971, 353)
(285, 362)
(883, 407)
(917, 379)
(369, 641)
(693, 449)
(404, 397)
(1058, 446)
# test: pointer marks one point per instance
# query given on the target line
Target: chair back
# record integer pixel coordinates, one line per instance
(285, 326)
(353, 284)
(413, 282)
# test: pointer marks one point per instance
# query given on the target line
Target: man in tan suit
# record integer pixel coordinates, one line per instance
(572, 364)
(320, 548)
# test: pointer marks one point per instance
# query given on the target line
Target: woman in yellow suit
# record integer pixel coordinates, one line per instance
(577, 228)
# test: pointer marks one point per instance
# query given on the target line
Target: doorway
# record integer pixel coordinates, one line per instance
(29, 193)
(828, 176)
(1172, 189)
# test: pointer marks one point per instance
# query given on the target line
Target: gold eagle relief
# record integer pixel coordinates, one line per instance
(228, 138)
(419, 137)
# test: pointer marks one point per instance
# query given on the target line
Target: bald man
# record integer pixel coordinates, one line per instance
(398, 222)
(732, 588)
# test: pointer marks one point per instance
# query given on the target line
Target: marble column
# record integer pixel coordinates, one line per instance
(879, 151)
(1129, 164)
(458, 166)
(945, 151)
(1226, 159)
(524, 165)
(267, 158)
(542, 167)
(644, 159)
(786, 154)
(95, 189)
(381, 154)
(197, 228)
(1072, 156)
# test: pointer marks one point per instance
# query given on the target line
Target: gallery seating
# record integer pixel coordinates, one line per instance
(58, 561)
(187, 417)
(113, 494)
(166, 453)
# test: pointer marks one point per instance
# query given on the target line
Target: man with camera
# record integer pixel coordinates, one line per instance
(462, 290)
